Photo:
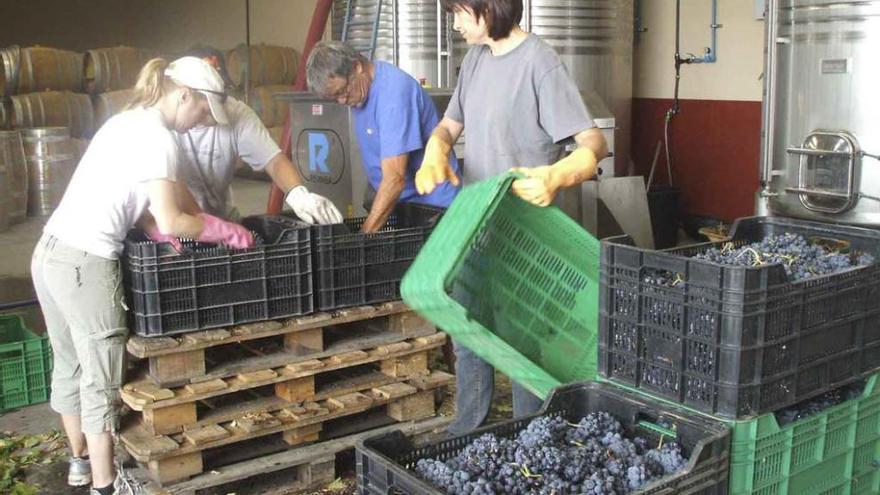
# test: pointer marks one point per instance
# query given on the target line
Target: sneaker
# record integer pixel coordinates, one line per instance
(80, 472)
(124, 484)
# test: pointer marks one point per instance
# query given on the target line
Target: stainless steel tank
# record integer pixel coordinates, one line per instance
(821, 149)
(409, 34)
(51, 161)
(594, 38)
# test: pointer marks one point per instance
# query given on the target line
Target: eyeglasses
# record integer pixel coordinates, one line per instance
(345, 90)
(221, 94)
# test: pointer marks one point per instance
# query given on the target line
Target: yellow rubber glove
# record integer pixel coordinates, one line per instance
(541, 184)
(435, 168)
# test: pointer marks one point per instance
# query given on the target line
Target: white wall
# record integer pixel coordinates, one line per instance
(734, 76)
(166, 25)
(281, 22)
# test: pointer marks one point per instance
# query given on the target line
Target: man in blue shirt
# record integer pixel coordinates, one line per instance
(393, 118)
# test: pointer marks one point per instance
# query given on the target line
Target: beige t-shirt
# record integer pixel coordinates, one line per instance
(211, 154)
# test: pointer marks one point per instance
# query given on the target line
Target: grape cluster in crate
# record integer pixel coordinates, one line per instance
(553, 456)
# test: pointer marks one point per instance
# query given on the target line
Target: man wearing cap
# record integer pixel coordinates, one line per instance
(212, 152)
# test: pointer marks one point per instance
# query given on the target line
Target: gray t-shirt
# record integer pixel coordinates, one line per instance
(516, 108)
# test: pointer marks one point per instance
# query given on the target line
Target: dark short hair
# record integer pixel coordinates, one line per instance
(207, 51)
(501, 15)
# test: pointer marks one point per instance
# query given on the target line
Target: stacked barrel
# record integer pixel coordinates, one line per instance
(52, 101)
(258, 72)
(42, 108)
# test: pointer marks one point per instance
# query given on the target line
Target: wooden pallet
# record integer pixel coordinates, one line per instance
(290, 471)
(174, 457)
(176, 419)
(172, 410)
(220, 353)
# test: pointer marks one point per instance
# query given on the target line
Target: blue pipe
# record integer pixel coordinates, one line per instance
(709, 57)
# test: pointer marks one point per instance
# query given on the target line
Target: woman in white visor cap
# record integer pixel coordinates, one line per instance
(131, 166)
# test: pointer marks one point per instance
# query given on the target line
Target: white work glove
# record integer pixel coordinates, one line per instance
(312, 208)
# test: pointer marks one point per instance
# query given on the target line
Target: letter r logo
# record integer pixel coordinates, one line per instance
(319, 150)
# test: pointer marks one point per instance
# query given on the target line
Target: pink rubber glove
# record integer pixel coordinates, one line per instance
(220, 231)
(156, 236)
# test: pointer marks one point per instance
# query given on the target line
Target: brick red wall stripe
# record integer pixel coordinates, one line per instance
(715, 152)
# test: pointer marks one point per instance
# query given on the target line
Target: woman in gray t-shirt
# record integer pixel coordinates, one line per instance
(519, 104)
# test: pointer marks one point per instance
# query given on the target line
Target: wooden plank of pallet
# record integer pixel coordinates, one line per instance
(396, 347)
(307, 410)
(296, 390)
(257, 376)
(206, 434)
(142, 445)
(394, 390)
(205, 387)
(302, 435)
(311, 364)
(131, 396)
(176, 468)
(145, 347)
(413, 406)
(305, 342)
(254, 422)
(347, 357)
(268, 466)
(431, 338)
(354, 400)
(255, 361)
(170, 419)
(178, 366)
(408, 365)
(429, 381)
(206, 337)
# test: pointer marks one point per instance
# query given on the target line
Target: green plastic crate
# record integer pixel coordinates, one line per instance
(25, 365)
(516, 284)
(835, 452)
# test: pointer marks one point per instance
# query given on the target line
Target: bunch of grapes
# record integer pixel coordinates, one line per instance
(800, 258)
(818, 404)
(554, 457)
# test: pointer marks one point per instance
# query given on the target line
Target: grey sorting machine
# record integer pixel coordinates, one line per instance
(325, 150)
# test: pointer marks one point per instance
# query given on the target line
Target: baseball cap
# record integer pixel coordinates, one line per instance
(198, 75)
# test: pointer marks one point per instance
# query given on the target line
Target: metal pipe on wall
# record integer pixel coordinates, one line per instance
(711, 52)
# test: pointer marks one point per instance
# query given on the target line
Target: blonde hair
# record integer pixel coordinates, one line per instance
(152, 84)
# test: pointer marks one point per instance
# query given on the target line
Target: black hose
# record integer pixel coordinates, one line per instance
(18, 304)
(676, 105)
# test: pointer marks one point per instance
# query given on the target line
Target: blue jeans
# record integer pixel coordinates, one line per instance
(475, 385)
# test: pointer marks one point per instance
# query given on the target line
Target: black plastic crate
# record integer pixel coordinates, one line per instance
(386, 463)
(352, 268)
(208, 286)
(738, 341)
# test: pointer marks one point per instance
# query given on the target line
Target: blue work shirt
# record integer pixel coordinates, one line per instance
(398, 118)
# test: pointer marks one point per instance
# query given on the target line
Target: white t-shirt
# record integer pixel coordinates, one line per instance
(212, 152)
(108, 192)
